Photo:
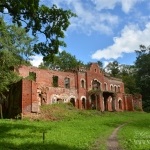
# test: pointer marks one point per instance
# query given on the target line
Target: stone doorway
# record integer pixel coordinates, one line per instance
(120, 104)
(109, 101)
(83, 103)
(72, 100)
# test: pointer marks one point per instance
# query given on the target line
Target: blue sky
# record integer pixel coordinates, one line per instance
(105, 30)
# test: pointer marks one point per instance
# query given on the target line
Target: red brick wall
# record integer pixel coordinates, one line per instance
(44, 80)
(29, 96)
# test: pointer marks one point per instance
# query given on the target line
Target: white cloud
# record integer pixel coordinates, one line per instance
(105, 63)
(127, 5)
(36, 60)
(129, 40)
(89, 19)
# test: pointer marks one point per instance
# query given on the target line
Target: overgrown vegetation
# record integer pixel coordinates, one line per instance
(67, 128)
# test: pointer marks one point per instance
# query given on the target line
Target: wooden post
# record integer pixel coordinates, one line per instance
(1, 111)
(44, 136)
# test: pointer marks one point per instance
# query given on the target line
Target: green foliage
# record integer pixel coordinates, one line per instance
(113, 68)
(50, 22)
(126, 73)
(63, 61)
(32, 76)
(143, 75)
(15, 49)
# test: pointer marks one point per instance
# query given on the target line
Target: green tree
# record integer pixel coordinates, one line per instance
(143, 74)
(50, 22)
(113, 68)
(127, 73)
(63, 61)
(15, 49)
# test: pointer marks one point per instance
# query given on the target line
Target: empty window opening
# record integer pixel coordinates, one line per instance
(111, 88)
(115, 89)
(105, 86)
(32, 76)
(118, 89)
(82, 83)
(95, 85)
(67, 83)
(55, 81)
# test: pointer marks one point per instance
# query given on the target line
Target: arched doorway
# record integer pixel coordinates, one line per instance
(72, 100)
(109, 101)
(83, 103)
(93, 101)
(120, 104)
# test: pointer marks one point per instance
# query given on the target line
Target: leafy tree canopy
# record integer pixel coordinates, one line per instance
(50, 22)
(15, 48)
(143, 74)
(63, 61)
(113, 68)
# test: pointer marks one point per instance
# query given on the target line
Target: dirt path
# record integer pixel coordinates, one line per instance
(112, 142)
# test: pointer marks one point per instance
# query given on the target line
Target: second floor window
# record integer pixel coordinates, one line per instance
(32, 76)
(67, 83)
(55, 81)
(82, 83)
(105, 86)
(95, 85)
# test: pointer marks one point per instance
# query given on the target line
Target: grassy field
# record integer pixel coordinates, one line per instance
(136, 134)
(66, 128)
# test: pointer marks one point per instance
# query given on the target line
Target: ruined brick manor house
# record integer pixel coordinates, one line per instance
(88, 88)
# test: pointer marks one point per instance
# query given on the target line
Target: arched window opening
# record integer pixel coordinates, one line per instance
(95, 85)
(111, 88)
(115, 89)
(118, 88)
(105, 86)
(82, 83)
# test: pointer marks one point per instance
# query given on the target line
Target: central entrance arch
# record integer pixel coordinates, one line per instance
(109, 101)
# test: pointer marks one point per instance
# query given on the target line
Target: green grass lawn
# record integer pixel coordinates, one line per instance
(136, 134)
(66, 128)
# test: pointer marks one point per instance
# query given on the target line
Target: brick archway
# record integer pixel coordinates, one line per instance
(72, 100)
(109, 101)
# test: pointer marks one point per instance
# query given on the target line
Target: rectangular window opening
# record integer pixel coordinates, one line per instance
(55, 81)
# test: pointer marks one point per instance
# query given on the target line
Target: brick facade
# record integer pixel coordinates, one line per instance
(85, 89)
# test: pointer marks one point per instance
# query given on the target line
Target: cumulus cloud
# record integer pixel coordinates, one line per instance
(127, 5)
(129, 40)
(89, 19)
(36, 60)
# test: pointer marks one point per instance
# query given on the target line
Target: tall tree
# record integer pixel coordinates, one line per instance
(15, 49)
(143, 74)
(50, 22)
(127, 73)
(63, 61)
(113, 68)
